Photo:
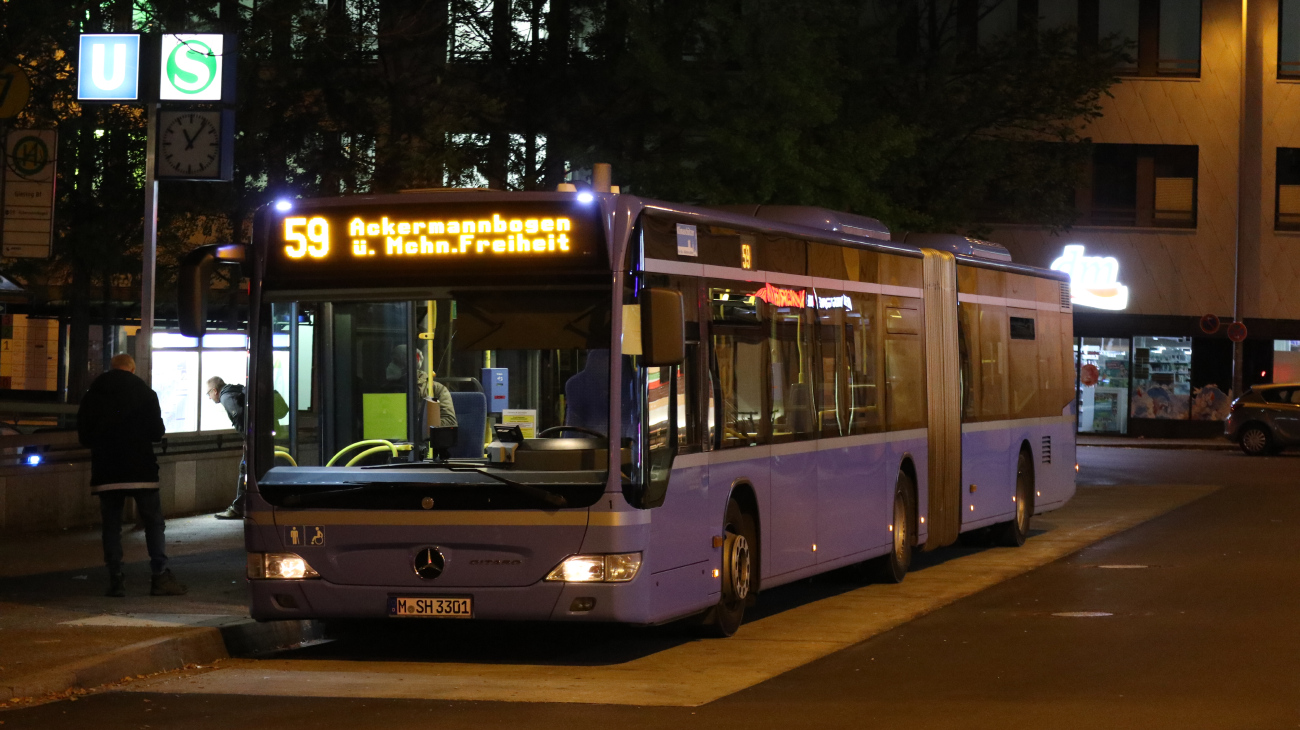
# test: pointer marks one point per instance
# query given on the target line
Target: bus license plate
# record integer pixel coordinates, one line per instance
(426, 607)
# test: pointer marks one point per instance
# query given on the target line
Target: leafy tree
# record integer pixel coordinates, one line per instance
(891, 108)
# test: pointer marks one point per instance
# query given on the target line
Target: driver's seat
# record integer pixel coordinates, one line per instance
(471, 420)
(586, 394)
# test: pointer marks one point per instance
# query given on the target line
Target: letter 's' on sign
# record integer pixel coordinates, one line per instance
(109, 67)
(191, 67)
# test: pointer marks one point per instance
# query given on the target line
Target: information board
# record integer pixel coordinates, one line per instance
(30, 157)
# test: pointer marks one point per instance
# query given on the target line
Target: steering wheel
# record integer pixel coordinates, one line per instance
(579, 429)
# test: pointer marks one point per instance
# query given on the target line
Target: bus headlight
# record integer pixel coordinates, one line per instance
(278, 566)
(612, 568)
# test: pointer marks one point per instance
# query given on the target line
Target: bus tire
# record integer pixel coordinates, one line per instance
(1013, 532)
(738, 572)
(892, 567)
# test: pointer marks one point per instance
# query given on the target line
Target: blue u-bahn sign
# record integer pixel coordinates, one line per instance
(109, 67)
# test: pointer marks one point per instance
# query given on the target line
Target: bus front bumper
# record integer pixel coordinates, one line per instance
(288, 600)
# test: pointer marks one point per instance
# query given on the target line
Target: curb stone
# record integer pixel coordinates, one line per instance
(200, 645)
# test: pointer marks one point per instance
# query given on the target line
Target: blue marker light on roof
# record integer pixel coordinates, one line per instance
(283, 205)
(585, 197)
(33, 459)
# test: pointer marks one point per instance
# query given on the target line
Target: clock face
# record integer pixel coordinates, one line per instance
(190, 145)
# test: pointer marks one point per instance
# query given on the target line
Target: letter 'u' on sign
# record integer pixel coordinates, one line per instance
(109, 67)
(191, 67)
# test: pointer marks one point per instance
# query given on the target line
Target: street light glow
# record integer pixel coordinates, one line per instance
(283, 206)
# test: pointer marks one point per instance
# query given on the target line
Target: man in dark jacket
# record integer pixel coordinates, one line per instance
(231, 397)
(119, 421)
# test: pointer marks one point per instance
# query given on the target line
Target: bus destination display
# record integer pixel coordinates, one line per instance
(322, 243)
(403, 237)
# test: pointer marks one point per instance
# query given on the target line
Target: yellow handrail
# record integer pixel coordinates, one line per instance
(281, 452)
(368, 442)
(368, 452)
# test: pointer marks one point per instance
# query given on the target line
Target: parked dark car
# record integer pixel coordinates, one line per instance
(1265, 419)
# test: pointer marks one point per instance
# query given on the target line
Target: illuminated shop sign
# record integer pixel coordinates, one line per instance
(492, 235)
(837, 302)
(780, 297)
(1094, 280)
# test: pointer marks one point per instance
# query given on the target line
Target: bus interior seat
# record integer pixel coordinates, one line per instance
(583, 391)
(471, 416)
(799, 409)
(461, 385)
(586, 393)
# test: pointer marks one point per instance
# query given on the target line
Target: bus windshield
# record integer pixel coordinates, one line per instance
(353, 383)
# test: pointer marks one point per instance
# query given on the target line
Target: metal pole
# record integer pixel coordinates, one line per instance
(1250, 152)
(149, 255)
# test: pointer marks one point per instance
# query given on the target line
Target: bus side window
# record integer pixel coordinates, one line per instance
(1022, 360)
(968, 346)
(832, 386)
(862, 365)
(904, 367)
(993, 337)
(740, 364)
(790, 351)
(687, 398)
(741, 380)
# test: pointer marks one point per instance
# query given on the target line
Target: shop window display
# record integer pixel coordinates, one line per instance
(1103, 384)
(1162, 377)
(1286, 361)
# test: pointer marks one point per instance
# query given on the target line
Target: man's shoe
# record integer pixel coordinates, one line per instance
(230, 513)
(165, 584)
(116, 585)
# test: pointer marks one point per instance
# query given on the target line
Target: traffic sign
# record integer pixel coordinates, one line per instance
(15, 88)
(109, 67)
(191, 67)
(29, 193)
(1237, 331)
(1210, 324)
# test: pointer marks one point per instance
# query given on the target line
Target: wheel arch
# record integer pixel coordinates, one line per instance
(745, 495)
(908, 466)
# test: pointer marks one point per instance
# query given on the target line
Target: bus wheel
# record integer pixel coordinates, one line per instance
(892, 567)
(738, 572)
(1013, 532)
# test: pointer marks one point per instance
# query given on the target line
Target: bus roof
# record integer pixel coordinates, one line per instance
(621, 211)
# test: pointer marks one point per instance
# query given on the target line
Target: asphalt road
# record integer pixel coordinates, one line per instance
(1186, 621)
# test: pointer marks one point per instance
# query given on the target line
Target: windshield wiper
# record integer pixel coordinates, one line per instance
(547, 496)
(294, 500)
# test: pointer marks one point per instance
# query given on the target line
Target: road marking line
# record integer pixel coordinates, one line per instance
(699, 672)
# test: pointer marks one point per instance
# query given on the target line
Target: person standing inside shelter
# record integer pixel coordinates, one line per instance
(231, 397)
(119, 420)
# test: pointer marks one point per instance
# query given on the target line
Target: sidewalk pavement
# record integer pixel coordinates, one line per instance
(1141, 442)
(59, 633)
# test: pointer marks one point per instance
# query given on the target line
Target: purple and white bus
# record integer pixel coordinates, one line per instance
(644, 411)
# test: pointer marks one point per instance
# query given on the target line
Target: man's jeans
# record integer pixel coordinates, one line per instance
(149, 507)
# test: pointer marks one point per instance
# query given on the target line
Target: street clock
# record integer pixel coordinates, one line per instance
(194, 145)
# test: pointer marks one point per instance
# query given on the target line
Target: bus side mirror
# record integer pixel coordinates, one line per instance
(195, 279)
(663, 327)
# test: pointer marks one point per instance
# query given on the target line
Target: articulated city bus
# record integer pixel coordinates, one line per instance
(596, 407)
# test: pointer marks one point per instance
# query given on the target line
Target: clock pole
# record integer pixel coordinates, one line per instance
(149, 256)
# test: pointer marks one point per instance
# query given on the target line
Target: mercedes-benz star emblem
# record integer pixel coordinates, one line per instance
(429, 563)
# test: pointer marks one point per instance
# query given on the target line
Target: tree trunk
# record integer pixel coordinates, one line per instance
(79, 337)
(559, 24)
(498, 159)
